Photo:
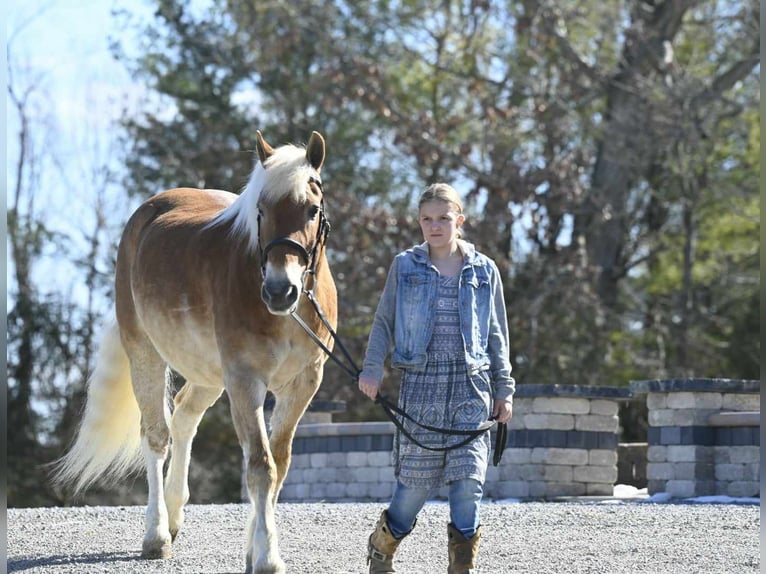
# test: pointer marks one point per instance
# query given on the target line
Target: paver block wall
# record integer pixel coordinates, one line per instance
(689, 455)
(562, 441)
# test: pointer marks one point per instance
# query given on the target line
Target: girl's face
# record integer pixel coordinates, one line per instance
(440, 223)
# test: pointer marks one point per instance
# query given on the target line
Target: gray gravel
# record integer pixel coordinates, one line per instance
(534, 538)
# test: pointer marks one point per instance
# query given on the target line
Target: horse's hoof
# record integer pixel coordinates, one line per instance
(157, 550)
(278, 568)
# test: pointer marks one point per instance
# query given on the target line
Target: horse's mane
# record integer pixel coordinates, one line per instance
(284, 174)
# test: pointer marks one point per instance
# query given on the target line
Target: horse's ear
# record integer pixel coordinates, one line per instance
(315, 150)
(265, 151)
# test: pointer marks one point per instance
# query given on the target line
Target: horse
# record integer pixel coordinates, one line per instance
(208, 283)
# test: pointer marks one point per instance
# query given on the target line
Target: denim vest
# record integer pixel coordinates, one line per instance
(405, 317)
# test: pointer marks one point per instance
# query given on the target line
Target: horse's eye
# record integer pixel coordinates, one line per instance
(313, 212)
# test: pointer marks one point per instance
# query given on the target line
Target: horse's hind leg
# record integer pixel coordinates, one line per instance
(288, 410)
(148, 374)
(191, 402)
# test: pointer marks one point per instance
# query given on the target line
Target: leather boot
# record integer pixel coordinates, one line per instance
(381, 547)
(462, 552)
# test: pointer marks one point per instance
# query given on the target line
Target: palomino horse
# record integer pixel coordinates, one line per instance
(206, 283)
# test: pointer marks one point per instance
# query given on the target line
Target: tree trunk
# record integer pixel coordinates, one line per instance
(626, 146)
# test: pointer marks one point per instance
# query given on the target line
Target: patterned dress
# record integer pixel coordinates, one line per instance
(443, 395)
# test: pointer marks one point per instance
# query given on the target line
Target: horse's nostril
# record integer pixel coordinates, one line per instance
(279, 295)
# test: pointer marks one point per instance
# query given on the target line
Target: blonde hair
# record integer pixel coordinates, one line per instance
(446, 193)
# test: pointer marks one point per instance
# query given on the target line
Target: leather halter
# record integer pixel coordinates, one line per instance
(310, 258)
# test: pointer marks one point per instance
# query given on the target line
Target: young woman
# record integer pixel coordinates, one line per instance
(442, 310)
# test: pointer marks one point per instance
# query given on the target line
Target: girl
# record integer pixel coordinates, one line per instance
(443, 311)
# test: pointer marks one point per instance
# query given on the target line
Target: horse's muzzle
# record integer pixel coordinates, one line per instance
(280, 297)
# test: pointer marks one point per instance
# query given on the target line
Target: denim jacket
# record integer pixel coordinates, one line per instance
(405, 317)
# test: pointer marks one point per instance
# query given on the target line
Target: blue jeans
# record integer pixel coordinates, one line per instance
(464, 498)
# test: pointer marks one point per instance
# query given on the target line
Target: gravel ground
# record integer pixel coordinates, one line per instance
(534, 538)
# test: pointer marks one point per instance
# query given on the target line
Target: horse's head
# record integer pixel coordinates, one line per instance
(291, 220)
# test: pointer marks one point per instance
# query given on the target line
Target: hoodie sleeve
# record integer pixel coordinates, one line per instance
(498, 342)
(381, 339)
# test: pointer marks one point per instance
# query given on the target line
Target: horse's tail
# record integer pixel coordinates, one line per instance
(109, 437)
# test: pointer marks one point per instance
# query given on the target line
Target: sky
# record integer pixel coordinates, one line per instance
(62, 46)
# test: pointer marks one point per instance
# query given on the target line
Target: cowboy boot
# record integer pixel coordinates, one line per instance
(381, 547)
(462, 552)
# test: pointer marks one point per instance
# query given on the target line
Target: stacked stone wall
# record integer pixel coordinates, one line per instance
(562, 441)
(693, 450)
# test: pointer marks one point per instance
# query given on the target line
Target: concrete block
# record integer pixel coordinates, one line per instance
(655, 486)
(300, 461)
(549, 421)
(337, 459)
(684, 471)
(741, 402)
(657, 454)
(743, 488)
(602, 458)
(681, 488)
(317, 491)
(365, 474)
(358, 490)
(558, 473)
(379, 458)
(288, 492)
(318, 459)
(511, 489)
(602, 474)
(599, 489)
(730, 472)
(493, 473)
(598, 423)
(604, 407)
(381, 490)
(657, 401)
(509, 472)
(752, 472)
(356, 459)
(326, 475)
(561, 405)
(692, 400)
(660, 471)
(554, 489)
(690, 453)
(533, 472)
(538, 489)
(336, 491)
(722, 454)
(661, 417)
(570, 456)
(745, 454)
(521, 406)
(517, 420)
(384, 473)
(516, 456)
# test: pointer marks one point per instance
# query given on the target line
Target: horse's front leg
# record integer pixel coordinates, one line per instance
(291, 403)
(191, 402)
(247, 396)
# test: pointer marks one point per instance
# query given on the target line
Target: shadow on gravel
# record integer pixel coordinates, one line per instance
(21, 564)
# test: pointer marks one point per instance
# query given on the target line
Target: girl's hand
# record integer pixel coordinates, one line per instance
(369, 386)
(503, 410)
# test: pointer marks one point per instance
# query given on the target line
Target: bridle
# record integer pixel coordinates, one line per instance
(310, 258)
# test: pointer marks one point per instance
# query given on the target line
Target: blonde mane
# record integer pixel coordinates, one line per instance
(285, 174)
